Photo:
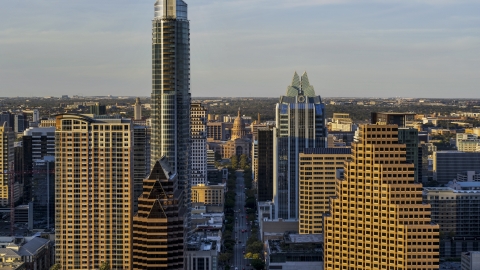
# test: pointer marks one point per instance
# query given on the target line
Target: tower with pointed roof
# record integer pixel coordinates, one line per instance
(158, 233)
(300, 124)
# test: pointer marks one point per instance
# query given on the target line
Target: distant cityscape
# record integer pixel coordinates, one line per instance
(298, 181)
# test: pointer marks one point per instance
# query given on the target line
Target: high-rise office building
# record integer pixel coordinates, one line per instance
(264, 168)
(377, 219)
(141, 160)
(98, 109)
(20, 123)
(318, 168)
(198, 156)
(158, 233)
(38, 142)
(300, 124)
(171, 88)
(413, 149)
(42, 188)
(137, 110)
(7, 138)
(93, 178)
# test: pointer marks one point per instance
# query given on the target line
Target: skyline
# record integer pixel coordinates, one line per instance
(419, 48)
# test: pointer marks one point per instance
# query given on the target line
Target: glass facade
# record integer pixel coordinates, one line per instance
(171, 88)
(300, 124)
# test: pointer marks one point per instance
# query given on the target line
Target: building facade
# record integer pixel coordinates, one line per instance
(158, 233)
(318, 168)
(7, 138)
(198, 133)
(209, 195)
(300, 124)
(467, 142)
(137, 110)
(471, 260)
(171, 88)
(447, 164)
(264, 168)
(93, 192)
(38, 143)
(141, 160)
(377, 219)
(409, 137)
(43, 192)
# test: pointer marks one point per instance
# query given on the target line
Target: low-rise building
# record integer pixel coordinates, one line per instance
(295, 251)
(209, 194)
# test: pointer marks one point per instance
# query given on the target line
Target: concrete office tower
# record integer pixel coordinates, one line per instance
(7, 138)
(198, 131)
(171, 88)
(300, 124)
(318, 168)
(137, 110)
(377, 219)
(264, 168)
(158, 234)
(93, 176)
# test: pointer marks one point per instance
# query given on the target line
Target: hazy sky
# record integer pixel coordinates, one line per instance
(374, 48)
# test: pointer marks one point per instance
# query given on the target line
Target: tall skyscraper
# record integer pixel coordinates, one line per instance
(7, 138)
(158, 232)
(300, 124)
(171, 88)
(198, 157)
(93, 178)
(377, 220)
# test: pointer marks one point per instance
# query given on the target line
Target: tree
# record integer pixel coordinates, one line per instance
(255, 247)
(56, 266)
(225, 257)
(243, 161)
(105, 266)
(234, 162)
(257, 264)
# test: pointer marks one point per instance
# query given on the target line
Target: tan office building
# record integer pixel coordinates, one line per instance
(158, 227)
(209, 195)
(7, 138)
(318, 167)
(377, 219)
(93, 192)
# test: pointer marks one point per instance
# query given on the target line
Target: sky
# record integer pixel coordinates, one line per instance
(246, 48)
